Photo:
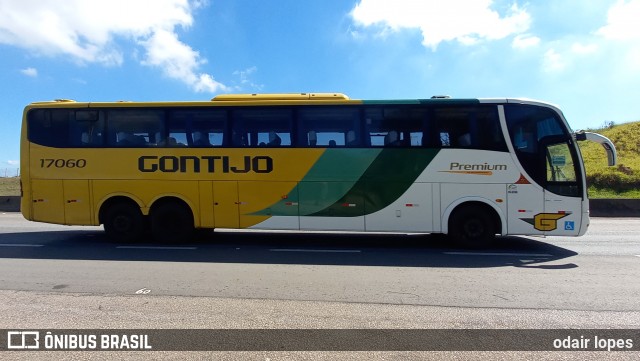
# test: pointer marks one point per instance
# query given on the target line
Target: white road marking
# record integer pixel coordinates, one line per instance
(316, 250)
(151, 247)
(499, 254)
(20, 245)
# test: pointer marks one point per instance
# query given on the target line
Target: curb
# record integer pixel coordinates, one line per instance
(598, 207)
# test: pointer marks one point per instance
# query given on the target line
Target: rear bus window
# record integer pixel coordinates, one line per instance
(49, 127)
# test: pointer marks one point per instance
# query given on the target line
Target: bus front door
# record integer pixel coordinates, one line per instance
(525, 204)
(564, 214)
(564, 191)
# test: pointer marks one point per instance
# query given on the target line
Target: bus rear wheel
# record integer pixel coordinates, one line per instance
(123, 222)
(171, 222)
(472, 226)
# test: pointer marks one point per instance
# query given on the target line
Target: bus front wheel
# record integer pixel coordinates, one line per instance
(171, 222)
(472, 226)
(123, 222)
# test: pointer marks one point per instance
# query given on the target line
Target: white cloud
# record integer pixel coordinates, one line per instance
(623, 33)
(244, 74)
(622, 21)
(178, 61)
(582, 49)
(13, 162)
(89, 32)
(246, 81)
(553, 61)
(30, 72)
(467, 21)
(524, 41)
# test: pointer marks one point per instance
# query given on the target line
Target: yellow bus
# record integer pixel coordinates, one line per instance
(470, 168)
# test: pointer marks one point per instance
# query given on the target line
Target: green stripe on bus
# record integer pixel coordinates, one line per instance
(388, 177)
(328, 180)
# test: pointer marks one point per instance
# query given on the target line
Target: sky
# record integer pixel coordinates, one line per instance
(583, 56)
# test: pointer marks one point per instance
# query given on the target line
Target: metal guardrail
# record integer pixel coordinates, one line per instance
(598, 207)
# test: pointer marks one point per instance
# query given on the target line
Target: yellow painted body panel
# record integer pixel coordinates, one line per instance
(256, 196)
(77, 202)
(116, 172)
(206, 205)
(47, 200)
(281, 97)
(226, 204)
(145, 192)
(124, 164)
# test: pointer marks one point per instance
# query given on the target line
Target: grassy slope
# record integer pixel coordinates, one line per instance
(10, 186)
(623, 180)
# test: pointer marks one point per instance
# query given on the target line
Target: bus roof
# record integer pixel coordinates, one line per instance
(285, 99)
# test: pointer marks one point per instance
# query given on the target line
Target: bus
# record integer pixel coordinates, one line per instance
(468, 168)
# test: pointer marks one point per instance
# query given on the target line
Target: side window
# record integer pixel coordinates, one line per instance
(262, 128)
(560, 165)
(86, 129)
(135, 127)
(49, 127)
(452, 126)
(476, 127)
(198, 127)
(398, 126)
(328, 126)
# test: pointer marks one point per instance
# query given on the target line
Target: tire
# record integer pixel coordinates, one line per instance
(472, 226)
(123, 222)
(171, 222)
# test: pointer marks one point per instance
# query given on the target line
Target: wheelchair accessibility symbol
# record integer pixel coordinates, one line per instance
(569, 226)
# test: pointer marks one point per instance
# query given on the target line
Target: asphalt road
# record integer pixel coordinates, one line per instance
(67, 277)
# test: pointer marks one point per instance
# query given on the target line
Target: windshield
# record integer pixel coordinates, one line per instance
(544, 147)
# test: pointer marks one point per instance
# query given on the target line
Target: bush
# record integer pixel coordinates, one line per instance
(613, 179)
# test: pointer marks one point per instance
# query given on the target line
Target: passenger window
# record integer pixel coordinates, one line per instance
(135, 127)
(199, 127)
(87, 129)
(262, 128)
(469, 127)
(399, 126)
(328, 127)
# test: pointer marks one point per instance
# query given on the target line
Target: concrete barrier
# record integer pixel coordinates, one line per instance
(9, 204)
(614, 207)
(598, 207)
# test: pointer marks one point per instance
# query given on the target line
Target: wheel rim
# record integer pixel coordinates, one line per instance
(474, 228)
(122, 223)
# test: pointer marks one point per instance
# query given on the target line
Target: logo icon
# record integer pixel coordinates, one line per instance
(23, 340)
(546, 221)
(569, 225)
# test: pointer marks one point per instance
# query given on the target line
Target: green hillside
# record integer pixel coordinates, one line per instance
(623, 180)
